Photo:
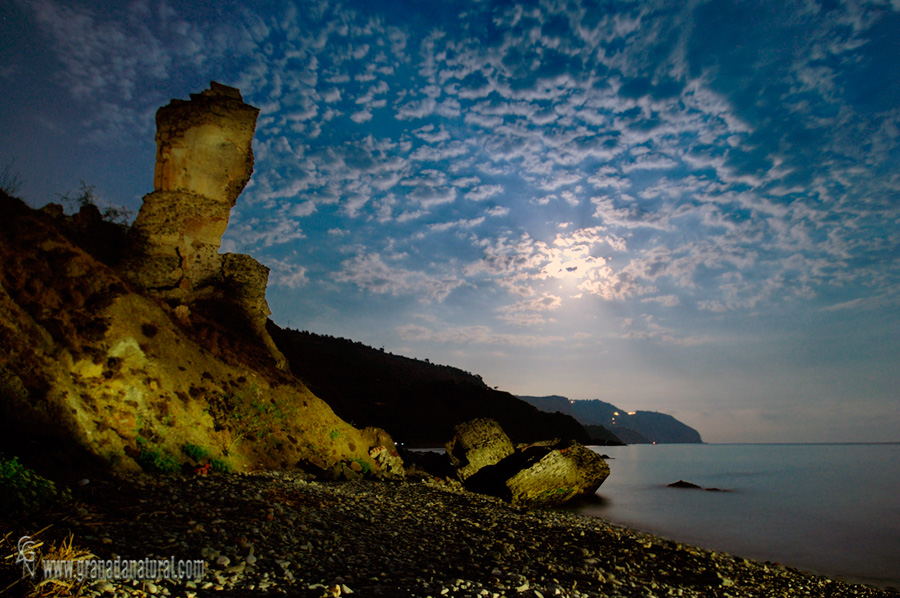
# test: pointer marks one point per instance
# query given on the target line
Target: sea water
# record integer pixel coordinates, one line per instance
(830, 509)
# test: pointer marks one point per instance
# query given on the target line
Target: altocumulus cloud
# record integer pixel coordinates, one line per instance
(527, 167)
(479, 335)
(644, 113)
(369, 272)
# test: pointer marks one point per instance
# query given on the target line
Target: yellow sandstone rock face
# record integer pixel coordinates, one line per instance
(203, 145)
(204, 160)
(177, 367)
(87, 366)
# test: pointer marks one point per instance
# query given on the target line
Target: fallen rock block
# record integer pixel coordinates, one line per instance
(559, 476)
(537, 474)
(477, 444)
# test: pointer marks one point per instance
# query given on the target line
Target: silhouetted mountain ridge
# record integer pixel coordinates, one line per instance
(634, 427)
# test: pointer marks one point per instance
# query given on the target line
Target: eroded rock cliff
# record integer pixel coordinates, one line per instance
(204, 159)
(161, 360)
(89, 366)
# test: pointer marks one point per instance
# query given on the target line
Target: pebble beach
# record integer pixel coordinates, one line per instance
(277, 533)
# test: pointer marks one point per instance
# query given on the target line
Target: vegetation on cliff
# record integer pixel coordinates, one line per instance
(145, 347)
(93, 371)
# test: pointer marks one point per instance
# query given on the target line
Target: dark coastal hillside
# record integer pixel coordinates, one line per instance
(417, 402)
(635, 427)
(601, 436)
(552, 403)
(657, 427)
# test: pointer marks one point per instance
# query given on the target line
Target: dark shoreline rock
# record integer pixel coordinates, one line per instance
(685, 485)
(691, 486)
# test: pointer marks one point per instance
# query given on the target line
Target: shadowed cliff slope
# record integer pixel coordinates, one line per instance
(417, 402)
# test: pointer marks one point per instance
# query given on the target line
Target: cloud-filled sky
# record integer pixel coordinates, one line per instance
(685, 207)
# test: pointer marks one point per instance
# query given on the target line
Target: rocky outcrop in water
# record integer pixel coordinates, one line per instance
(692, 486)
(543, 473)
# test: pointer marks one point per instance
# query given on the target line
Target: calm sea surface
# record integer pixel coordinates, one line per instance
(831, 509)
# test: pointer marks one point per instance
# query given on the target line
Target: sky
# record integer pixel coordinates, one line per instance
(687, 207)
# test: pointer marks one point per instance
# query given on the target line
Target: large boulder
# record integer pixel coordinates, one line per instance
(545, 473)
(477, 444)
(557, 477)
